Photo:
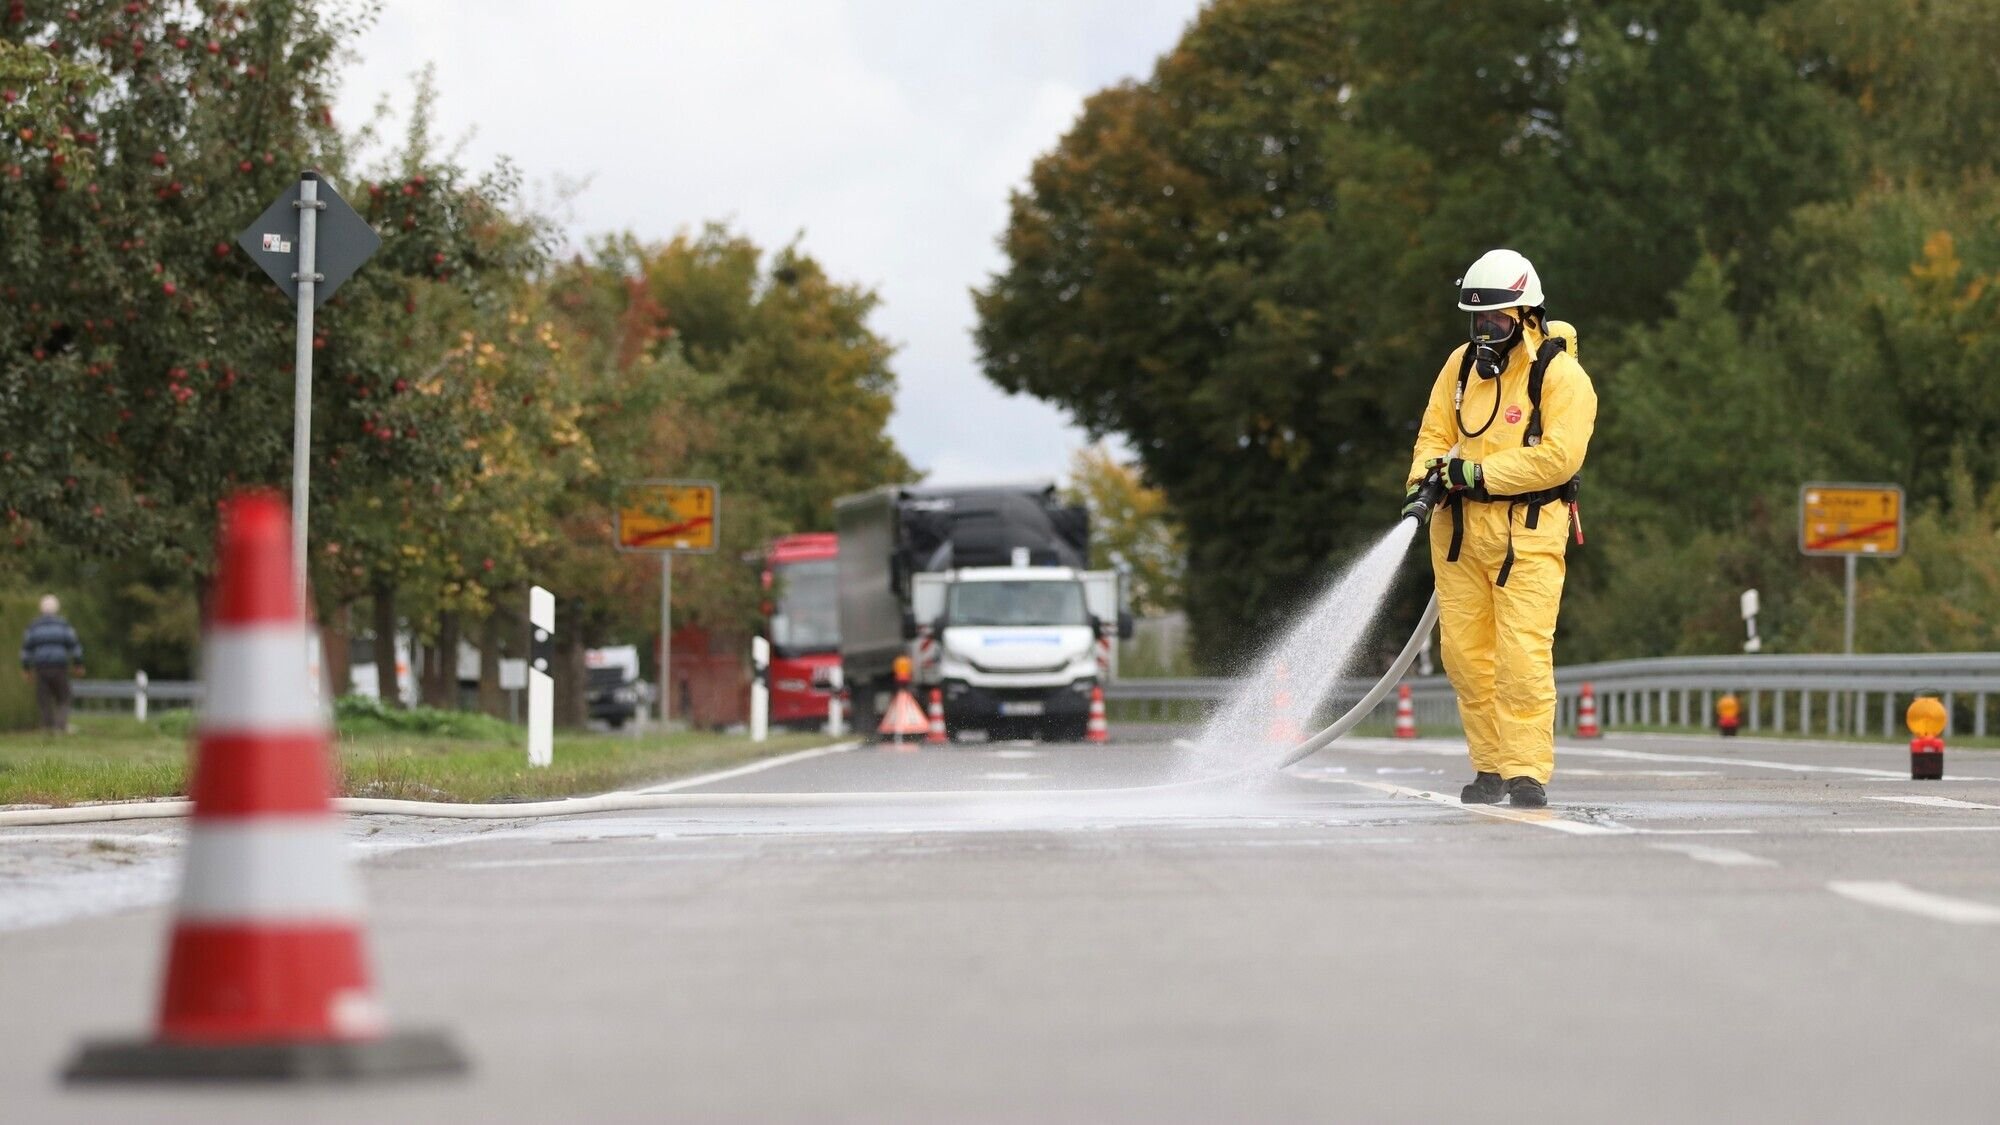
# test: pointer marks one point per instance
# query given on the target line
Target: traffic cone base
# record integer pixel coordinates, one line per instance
(266, 973)
(404, 1054)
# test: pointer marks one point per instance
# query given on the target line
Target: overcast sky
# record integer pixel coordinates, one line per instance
(888, 132)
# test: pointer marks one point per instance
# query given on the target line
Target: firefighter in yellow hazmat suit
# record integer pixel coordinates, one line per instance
(1509, 420)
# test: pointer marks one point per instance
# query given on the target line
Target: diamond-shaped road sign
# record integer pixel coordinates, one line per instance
(343, 240)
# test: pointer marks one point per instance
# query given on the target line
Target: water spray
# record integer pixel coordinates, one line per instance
(1430, 493)
(1375, 694)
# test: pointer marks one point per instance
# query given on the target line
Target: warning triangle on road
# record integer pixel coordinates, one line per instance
(904, 719)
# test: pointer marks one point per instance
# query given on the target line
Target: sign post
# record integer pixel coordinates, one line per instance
(309, 241)
(669, 517)
(1850, 520)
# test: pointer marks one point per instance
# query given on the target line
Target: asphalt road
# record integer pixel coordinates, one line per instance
(1697, 929)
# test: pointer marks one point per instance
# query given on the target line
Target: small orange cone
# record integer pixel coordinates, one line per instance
(937, 732)
(266, 976)
(1284, 729)
(1406, 715)
(1586, 714)
(1096, 730)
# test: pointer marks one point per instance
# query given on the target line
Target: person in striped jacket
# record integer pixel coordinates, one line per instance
(48, 651)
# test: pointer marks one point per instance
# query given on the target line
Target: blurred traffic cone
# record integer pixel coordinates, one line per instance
(1284, 729)
(1096, 730)
(266, 977)
(1406, 715)
(937, 732)
(1586, 714)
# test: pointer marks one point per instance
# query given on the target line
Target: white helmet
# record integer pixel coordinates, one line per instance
(1500, 279)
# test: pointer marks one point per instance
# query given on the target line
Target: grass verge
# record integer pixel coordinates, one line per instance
(116, 759)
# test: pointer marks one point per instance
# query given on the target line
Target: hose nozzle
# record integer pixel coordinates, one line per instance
(1430, 491)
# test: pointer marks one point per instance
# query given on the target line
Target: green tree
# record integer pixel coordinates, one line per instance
(1131, 528)
(1244, 263)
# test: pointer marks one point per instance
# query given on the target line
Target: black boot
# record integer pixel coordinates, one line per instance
(1526, 793)
(1484, 790)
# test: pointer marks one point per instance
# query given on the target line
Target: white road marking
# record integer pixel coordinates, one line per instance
(592, 860)
(753, 767)
(1946, 777)
(1581, 771)
(1540, 818)
(112, 837)
(1935, 802)
(1721, 857)
(1017, 753)
(1010, 776)
(1917, 828)
(1384, 745)
(1897, 896)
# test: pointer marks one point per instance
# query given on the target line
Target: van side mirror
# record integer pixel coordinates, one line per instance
(909, 625)
(1125, 625)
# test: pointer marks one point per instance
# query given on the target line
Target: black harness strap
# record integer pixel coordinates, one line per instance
(1545, 355)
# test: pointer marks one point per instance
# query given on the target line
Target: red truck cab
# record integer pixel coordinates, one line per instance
(802, 622)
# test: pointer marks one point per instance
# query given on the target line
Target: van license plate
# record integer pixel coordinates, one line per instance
(1021, 707)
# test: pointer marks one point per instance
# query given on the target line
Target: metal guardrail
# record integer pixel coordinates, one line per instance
(139, 693)
(1856, 695)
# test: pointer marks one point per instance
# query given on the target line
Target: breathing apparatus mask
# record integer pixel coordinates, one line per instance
(1494, 334)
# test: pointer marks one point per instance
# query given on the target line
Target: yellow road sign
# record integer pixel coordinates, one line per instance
(669, 515)
(1851, 519)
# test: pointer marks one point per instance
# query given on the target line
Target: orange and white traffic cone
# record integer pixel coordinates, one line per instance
(1406, 715)
(1586, 714)
(937, 733)
(1096, 729)
(1284, 729)
(266, 977)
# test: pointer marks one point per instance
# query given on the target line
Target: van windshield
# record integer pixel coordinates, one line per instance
(1016, 603)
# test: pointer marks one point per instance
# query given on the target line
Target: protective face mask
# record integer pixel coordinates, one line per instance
(1493, 336)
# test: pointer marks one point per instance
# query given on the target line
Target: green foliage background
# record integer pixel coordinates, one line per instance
(1776, 225)
(480, 398)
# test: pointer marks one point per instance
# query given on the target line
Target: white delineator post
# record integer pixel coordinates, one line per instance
(836, 717)
(760, 689)
(541, 679)
(139, 696)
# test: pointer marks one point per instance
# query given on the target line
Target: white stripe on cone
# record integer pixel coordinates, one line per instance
(269, 869)
(257, 683)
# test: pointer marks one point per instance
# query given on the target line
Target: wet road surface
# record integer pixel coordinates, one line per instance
(1697, 928)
